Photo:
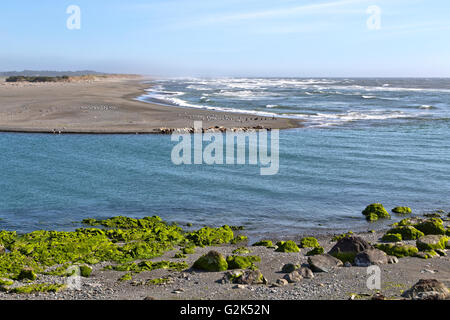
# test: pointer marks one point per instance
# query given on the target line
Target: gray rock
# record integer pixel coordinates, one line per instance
(347, 264)
(371, 257)
(240, 286)
(392, 259)
(349, 247)
(293, 277)
(282, 282)
(289, 267)
(324, 263)
(2, 249)
(249, 277)
(427, 289)
(378, 296)
(306, 273)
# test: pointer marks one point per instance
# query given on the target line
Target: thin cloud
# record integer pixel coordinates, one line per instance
(277, 13)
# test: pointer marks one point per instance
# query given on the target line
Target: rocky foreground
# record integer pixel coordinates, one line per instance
(125, 258)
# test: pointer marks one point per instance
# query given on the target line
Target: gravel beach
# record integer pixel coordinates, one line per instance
(342, 283)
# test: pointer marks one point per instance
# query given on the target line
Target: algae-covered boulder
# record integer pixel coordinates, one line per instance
(431, 226)
(407, 232)
(241, 250)
(409, 221)
(287, 246)
(431, 242)
(348, 247)
(426, 254)
(289, 267)
(245, 277)
(6, 282)
(240, 262)
(85, 271)
(392, 237)
(213, 261)
(27, 274)
(402, 210)
(188, 250)
(263, 243)
(211, 236)
(309, 242)
(375, 211)
(398, 250)
(315, 251)
(238, 239)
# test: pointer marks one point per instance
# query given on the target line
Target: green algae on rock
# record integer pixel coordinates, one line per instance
(238, 239)
(309, 242)
(26, 274)
(188, 250)
(402, 210)
(408, 222)
(287, 246)
(159, 281)
(117, 239)
(240, 262)
(431, 226)
(426, 254)
(85, 271)
(150, 265)
(315, 251)
(211, 236)
(213, 261)
(407, 232)
(341, 236)
(398, 250)
(263, 243)
(431, 242)
(126, 277)
(241, 250)
(6, 282)
(375, 211)
(121, 222)
(41, 287)
(392, 237)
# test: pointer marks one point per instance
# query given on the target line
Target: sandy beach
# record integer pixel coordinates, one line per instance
(106, 106)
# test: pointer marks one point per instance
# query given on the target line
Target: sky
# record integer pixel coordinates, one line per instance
(179, 38)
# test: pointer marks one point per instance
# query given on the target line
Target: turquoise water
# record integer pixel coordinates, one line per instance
(327, 175)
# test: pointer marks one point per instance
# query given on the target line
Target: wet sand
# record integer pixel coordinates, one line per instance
(107, 106)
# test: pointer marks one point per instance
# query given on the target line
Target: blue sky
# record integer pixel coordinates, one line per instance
(229, 37)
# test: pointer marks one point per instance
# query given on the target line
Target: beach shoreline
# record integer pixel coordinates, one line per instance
(109, 106)
(344, 282)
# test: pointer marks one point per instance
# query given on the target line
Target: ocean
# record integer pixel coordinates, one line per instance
(363, 141)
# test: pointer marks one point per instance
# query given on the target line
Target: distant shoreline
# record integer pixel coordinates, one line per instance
(80, 108)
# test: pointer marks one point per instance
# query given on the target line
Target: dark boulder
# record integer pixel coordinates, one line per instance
(348, 247)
